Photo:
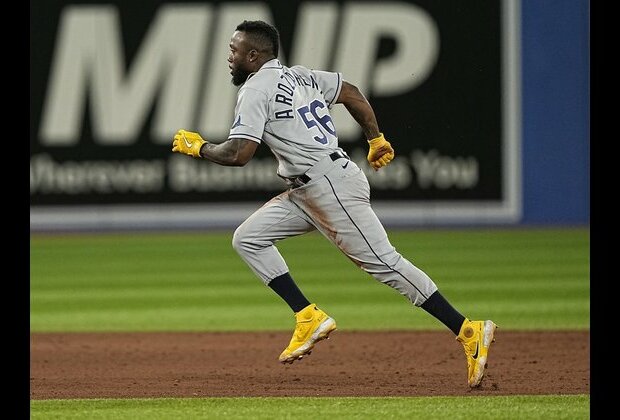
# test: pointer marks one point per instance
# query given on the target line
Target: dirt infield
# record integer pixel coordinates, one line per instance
(132, 365)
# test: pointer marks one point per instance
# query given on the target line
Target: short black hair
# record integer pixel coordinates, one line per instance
(265, 35)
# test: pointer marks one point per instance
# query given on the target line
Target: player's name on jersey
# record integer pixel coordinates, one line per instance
(291, 81)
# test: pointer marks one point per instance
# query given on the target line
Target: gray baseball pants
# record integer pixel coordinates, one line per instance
(336, 202)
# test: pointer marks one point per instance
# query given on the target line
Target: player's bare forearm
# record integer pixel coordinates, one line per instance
(359, 108)
(233, 152)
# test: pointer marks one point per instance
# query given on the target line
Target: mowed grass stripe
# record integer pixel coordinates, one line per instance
(501, 407)
(569, 287)
(535, 278)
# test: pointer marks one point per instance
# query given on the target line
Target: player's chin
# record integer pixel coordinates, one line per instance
(239, 76)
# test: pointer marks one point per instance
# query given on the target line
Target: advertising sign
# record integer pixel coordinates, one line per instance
(112, 82)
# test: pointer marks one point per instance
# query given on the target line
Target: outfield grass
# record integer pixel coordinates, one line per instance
(523, 279)
(520, 278)
(492, 408)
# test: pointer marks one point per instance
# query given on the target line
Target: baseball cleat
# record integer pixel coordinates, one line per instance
(476, 338)
(312, 325)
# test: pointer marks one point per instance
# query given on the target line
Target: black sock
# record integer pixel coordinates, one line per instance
(286, 288)
(441, 309)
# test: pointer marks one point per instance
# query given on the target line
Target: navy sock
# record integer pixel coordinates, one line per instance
(286, 288)
(441, 309)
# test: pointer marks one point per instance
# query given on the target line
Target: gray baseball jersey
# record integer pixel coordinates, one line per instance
(288, 109)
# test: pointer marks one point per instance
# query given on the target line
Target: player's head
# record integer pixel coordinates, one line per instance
(253, 43)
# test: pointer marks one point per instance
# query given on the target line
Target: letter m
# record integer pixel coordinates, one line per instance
(89, 61)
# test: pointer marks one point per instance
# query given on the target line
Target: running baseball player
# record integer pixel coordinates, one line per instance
(287, 109)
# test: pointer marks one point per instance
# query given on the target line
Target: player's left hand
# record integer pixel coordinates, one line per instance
(380, 153)
(187, 142)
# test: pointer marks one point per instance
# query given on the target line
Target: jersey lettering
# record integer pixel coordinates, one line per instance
(314, 84)
(291, 81)
(288, 78)
(284, 99)
(316, 121)
(287, 113)
(288, 90)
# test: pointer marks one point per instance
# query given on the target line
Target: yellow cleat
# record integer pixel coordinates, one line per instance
(312, 326)
(476, 337)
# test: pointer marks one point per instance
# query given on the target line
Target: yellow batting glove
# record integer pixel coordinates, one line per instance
(380, 153)
(187, 142)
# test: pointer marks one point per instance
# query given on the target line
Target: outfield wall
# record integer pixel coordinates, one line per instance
(556, 111)
(486, 104)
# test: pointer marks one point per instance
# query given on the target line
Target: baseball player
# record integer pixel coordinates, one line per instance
(287, 109)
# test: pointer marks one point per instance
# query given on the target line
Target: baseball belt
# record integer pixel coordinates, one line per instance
(305, 178)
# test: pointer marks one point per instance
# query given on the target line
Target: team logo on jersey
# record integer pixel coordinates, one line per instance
(238, 123)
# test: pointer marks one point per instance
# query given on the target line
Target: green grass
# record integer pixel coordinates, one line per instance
(502, 407)
(520, 278)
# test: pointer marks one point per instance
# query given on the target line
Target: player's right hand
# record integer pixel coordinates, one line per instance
(187, 142)
(380, 153)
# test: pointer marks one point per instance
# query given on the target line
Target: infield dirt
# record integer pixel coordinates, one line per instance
(412, 363)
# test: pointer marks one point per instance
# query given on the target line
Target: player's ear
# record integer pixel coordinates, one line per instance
(252, 55)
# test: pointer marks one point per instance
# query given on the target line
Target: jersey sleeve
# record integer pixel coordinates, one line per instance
(251, 115)
(330, 83)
